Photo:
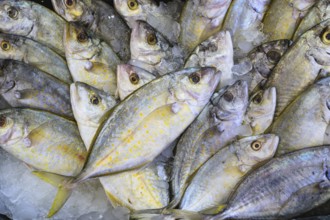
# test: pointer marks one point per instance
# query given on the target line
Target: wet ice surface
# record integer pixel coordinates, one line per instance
(24, 196)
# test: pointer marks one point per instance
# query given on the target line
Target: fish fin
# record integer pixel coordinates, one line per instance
(174, 213)
(214, 210)
(305, 199)
(64, 185)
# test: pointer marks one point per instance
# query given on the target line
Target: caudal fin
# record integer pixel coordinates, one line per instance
(64, 185)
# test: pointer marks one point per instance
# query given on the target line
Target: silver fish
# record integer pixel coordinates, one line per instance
(25, 86)
(213, 129)
(98, 18)
(35, 54)
(281, 188)
(32, 20)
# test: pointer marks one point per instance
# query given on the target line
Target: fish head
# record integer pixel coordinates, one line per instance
(131, 9)
(89, 104)
(79, 44)
(255, 149)
(261, 109)
(194, 86)
(217, 51)
(317, 41)
(71, 10)
(147, 44)
(267, 55)
(11, 47)
(11, 128)
(232, 103)
(16, 17)
(131, 78)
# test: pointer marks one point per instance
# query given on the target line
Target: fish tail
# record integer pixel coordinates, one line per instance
(63, 183)
(173, 213)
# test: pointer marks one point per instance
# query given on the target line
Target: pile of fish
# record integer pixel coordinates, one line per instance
(210, 109)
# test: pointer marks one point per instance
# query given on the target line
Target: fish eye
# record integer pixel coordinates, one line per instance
(94, 100)
(12, 12)
(273, 56)
(82, 37)
(5, 45)
(151, 39)
(256, 145)
(134, 78)
(325, 37)
(3, 121)
(132, 4)
(194, 78)
(257, 99)
(228, 96)
(69, 3)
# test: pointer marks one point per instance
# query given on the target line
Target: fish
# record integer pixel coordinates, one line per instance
(199, 20)
(128, 139)
(224, 170)
(100, 19)
(244, 20)
(163, 16)
(35, 54)
(131, 78)
(141, 189)
(214, 128)
(283, 17)
(149, 46)
(24, 86)
(306, 119)
(257, 66)
(32, 20)
(260, 111)
(305, 62)
(318, 13)
(90, 60)
(42, 140)
(283, 188)
(216, 51)
(89, 105)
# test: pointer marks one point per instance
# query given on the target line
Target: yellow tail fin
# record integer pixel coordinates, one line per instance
(64, 185)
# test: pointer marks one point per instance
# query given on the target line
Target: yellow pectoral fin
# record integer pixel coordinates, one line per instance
(214, 210)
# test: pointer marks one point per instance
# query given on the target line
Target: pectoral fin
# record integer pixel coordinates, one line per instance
(215, 210)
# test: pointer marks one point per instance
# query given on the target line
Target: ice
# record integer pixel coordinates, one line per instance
(24, 196)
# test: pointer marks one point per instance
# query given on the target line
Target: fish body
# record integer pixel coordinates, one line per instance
(33, 53)
(244, 20)
(42, 140)
(217, 178)
(90, 59)
(147, 122)
(100, 19)
(283, 17)
(320, 12)
(32, 20)
(25, 86)
(213, 129)
(305, 61)
(200, 20)
(160, 15)
(138, 189)
(282, 187)
(306, 119)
